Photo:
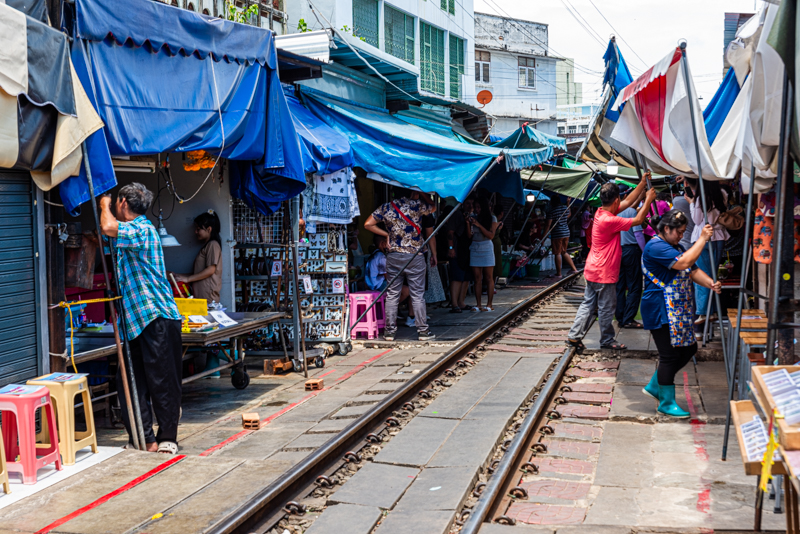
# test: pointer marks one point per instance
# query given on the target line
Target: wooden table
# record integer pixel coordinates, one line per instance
(229, 339)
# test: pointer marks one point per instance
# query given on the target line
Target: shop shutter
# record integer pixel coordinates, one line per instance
(431, 58)
(20, 330)
(365, 21)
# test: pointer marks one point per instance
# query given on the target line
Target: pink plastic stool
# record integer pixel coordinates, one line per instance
(19, 432)
(369, 325)
(380, 314)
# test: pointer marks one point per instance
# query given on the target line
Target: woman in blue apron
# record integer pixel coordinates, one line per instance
(669, 271)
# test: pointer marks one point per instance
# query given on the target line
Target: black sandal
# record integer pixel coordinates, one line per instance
(614, 346)
(633, 324)
(576, 343)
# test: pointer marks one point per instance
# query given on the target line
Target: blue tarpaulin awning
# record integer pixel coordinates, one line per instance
(187, 82)
(324, 149)
(529, 137)
(401, 153)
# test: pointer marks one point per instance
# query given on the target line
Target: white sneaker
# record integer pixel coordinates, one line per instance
(410, 322)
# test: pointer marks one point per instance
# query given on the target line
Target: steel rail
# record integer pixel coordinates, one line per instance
(265, 508)
(514, 457)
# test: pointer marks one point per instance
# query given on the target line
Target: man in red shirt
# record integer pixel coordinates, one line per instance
(602, 266)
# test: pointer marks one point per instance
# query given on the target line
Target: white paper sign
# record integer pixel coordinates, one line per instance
(198, 319)
(337, 284)
(307, 286)
(276, 268)
(222, 318)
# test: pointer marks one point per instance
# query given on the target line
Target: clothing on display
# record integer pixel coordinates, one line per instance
(331, 198)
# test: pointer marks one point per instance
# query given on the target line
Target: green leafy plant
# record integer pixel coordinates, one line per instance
(302, 27)
(242, 16)
(346, 29)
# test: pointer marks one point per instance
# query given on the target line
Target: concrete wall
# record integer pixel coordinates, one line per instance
(568, 92)
(181, 223)
(513, 35)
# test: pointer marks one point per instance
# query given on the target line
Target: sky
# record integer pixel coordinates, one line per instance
(646, 30)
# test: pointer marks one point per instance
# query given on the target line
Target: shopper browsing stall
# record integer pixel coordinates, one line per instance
(558, 220)
(206, 279)
(402, 218)
(667, 304)
(602, 267)
(151, 316)
(481, 227)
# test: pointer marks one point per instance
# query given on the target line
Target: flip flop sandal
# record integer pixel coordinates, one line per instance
(614, 346)
(456, 310)
(487, 309)
(633, 325)
(167, 447)
(576, 343)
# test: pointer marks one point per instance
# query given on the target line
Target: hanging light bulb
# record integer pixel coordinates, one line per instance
(530, 197)
(166, 239)
(612, 167)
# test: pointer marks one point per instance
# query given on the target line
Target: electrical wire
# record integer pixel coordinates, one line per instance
(588, 27)
(620, 35)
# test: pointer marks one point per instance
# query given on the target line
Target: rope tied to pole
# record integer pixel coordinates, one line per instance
(68, 306)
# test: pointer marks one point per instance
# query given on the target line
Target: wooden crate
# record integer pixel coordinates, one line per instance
(789, 434)
(273, 367)
(742, 412)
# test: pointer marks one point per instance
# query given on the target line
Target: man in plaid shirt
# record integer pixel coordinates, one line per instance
(152, 320)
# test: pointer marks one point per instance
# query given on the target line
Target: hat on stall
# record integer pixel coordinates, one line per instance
(623, 190)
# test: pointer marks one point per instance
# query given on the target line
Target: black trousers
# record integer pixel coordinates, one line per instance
(630, 282)
(157, 368)
(670, 359)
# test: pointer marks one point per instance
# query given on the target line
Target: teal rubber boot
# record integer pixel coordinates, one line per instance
(667, 404)
(651, 389)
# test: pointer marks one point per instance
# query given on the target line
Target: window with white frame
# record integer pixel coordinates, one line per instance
(527, 72)
(573, 129)
(561, 129)
(483, 61)
(584, 128)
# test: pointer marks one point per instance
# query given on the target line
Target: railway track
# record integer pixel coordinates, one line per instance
(340, 457)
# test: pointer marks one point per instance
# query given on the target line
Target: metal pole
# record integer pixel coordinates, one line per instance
(424, 244)
(125, 363)
(780, 342)
(535, 200)
(742, 283)
(653, 210)
(297, 316)
(702, 194)
(539, 242)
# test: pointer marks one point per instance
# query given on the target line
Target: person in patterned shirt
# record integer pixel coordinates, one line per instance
(152, 320)
(402, 218)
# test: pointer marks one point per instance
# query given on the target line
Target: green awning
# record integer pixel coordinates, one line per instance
(567, 182)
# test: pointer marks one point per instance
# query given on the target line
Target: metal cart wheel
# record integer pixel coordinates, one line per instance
(345, 348)
(319, 362)
(297, 365)
(240, 379)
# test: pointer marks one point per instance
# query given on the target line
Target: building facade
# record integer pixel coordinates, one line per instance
(514, 64)
(424, 48)
(568, 91)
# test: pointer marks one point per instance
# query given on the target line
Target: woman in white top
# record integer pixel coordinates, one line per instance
(716, 201)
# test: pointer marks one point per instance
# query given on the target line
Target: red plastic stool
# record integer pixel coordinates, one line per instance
(359, 302)
(19, 430)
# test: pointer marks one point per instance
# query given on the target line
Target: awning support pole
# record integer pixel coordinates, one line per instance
(540, 241)
(297, 316)
(780, 340)
(125, 363)
(425, 243)
(535, 200)
(703, 197)
(742, 285)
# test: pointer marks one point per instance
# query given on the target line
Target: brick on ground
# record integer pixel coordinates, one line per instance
(577, 450)
(598, 365)
(560, 489)
(583, 387)
(582, 373)
(569, 430)
(546, 514)
(583, 411)
(564, 465)
(587, 398)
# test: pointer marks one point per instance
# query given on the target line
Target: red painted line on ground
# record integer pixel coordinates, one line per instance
(265, 421)
(292, 406)
(109, 496)
(361, 365)
(700, 447)
(231, 439)
(326, 374)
